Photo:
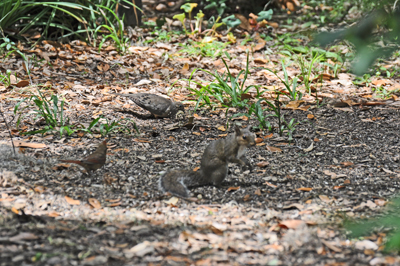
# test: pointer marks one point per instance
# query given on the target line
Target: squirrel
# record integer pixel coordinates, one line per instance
(214, 164)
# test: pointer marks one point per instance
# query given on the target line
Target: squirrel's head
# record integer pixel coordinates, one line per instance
(245, 137)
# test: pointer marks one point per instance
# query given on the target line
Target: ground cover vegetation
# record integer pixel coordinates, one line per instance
(316, 81)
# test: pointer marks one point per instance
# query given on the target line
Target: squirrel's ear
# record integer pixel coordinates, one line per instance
(237, 130)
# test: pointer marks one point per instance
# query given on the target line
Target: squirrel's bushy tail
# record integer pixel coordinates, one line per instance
(175, 182)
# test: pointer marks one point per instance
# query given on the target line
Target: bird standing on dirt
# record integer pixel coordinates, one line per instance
(94, 161)
(157, 105)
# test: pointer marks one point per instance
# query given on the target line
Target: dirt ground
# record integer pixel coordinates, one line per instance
(342, 163)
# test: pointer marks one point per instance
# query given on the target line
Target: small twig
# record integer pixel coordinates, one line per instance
(9, 131)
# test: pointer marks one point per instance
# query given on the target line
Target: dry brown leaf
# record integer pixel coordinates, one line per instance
(380, 202)
(331, 174)
(273, 149)
(115, 204)
(262, 164)
(269, 136)
(310, 116)
(222, 128)
(338, 187)
(331, 246)
(347, 163)
(244, 22)
(270, 185)
(304, 108)
(72, 201)
(53, 214)
(94, 203)
(39, 189)
(325, 198)
(141, 140)
(172, 201)
(22, 83)
(32, 145)
(260, 60)
(310, 148)
(185, 68)
(233, 188)
(291, 224)
(257, 192)
(305, 189)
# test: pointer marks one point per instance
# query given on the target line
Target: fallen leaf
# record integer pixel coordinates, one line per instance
(172, 201)
(329, 173)
(257, 192)
(72, 201)
(270, 185)
(331, 246)
(338, 187)
(94, 203)
(222, 128)
(347, 163)
(22, 83)
(23, 236)
(304, 189)
(233, 188)
(325, 198)
(366, 244)
(185, 68)
(32, 145)
(263, 164)
(273, 149)
(309, 148)
(291, 224)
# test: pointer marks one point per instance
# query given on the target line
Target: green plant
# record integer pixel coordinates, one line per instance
(116, 125)
(207, 49)
(117, 34)
(6, 78)
(24, 15)
(218, 5)
(274, 107)
(10, 47)
(306, 69)
(50, 109)
(188, 8)
(291, 86)
(226, 89)
(365, 40)
(364, 80)
(160, 36)
(258, 111)
(381, 92)
(58, 19)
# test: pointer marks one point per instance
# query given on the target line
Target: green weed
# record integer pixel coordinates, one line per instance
(50, 109)
(226, 89)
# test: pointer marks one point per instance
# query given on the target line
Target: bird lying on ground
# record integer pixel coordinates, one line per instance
(157, 105)
(94, 161)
